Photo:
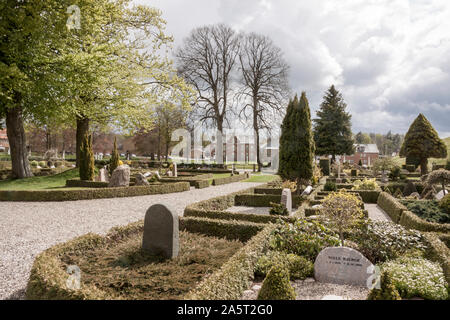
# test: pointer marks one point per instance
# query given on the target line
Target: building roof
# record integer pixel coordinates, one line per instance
(367, 148)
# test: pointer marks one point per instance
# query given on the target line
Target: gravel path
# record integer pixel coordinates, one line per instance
(376, 213)
(310, 289)
(27, 228)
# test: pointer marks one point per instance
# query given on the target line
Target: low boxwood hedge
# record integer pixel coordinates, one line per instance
(391, 206)
(230, 179)
(263, 200)
(411, 221)
(369, 196)
(48, 275)
(92, 193)
(201, 184)
(277, 191)
(77, 183)
(438, 252)
(229, 229)
(236, 275)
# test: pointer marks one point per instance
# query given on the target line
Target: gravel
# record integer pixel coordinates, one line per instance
(376, 213)
(309, 289)
(27, 228)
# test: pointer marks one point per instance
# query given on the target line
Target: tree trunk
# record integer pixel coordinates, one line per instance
(219, 142)
(423, 166)
(17, 142)
(82, 130)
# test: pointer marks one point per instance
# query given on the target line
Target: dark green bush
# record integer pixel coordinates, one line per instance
(278, 209)
(409, 188)
(429, 210)
(277, 285)
(387, 290)
(330, 186)
(299, 267)
(324, 165)
(444, 204)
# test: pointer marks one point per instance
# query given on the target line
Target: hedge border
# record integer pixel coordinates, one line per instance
(77, 183)
(92, 193)
(391, 206)
(263, 200)
(230, 179)
(438, 252)
(48, 278)
(400, 214)
(236, 275)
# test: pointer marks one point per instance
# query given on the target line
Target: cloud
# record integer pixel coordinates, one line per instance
(389, 58)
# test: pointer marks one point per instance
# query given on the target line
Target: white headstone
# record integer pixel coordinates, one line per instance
(286, 199)
(441, 194)
(342, 265)
(174, 170)
(307, 191)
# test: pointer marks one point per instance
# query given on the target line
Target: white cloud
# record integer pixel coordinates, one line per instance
(389, 58)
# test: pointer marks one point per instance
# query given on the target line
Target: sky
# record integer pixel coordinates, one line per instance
(389, 58)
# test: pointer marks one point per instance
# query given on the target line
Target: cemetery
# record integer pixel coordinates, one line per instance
(131, 171)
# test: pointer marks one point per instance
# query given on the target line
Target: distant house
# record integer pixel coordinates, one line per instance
(4, 143)
(367, 153)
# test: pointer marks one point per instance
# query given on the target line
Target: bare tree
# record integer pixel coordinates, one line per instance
(264, 80)
(207, 60)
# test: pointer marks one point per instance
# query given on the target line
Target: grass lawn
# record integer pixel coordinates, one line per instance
(261, 178)
(125, 271)
(39, 183)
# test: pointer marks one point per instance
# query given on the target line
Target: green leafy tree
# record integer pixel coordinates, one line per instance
(362, 138)
(296, 142)
(114, 161)
(87, 166)
(422, 142)
(332, 129)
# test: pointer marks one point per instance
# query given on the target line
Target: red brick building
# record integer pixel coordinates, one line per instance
(4, 143)
(367, 153)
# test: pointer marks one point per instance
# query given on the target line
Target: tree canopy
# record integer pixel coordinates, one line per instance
(332, 129)
(423, 142)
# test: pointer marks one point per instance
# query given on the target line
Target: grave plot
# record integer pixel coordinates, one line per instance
(249, 205)
(162, 258)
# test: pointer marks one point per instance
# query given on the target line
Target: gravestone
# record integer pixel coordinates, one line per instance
(174, 170)
(157, 175)
(102, 175)
(342, 265)
(286, 199)
(141, 180)
(307, 191)
(120, 177)
(161, 233)
(441, 194)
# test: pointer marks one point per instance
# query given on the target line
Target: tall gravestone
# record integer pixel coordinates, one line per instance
(174, 170)
(286, 199)
(161, 233)
(342, 265)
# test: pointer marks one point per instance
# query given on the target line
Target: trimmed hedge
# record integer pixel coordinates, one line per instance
(263, 200)
(231, 230)
(236, 275)
(77, 183)
(411, 221)
(92, 193)
(230, 179)
(201, 184)
(226, 215)
(445, 238)
(277, 191)
(391, 206)
(48, 275)
(368, 196)
(438, 252)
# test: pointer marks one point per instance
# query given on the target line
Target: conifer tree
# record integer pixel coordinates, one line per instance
(296, 142)
(87, 165)
(422, 142)
(114, 162)
(332, 130)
